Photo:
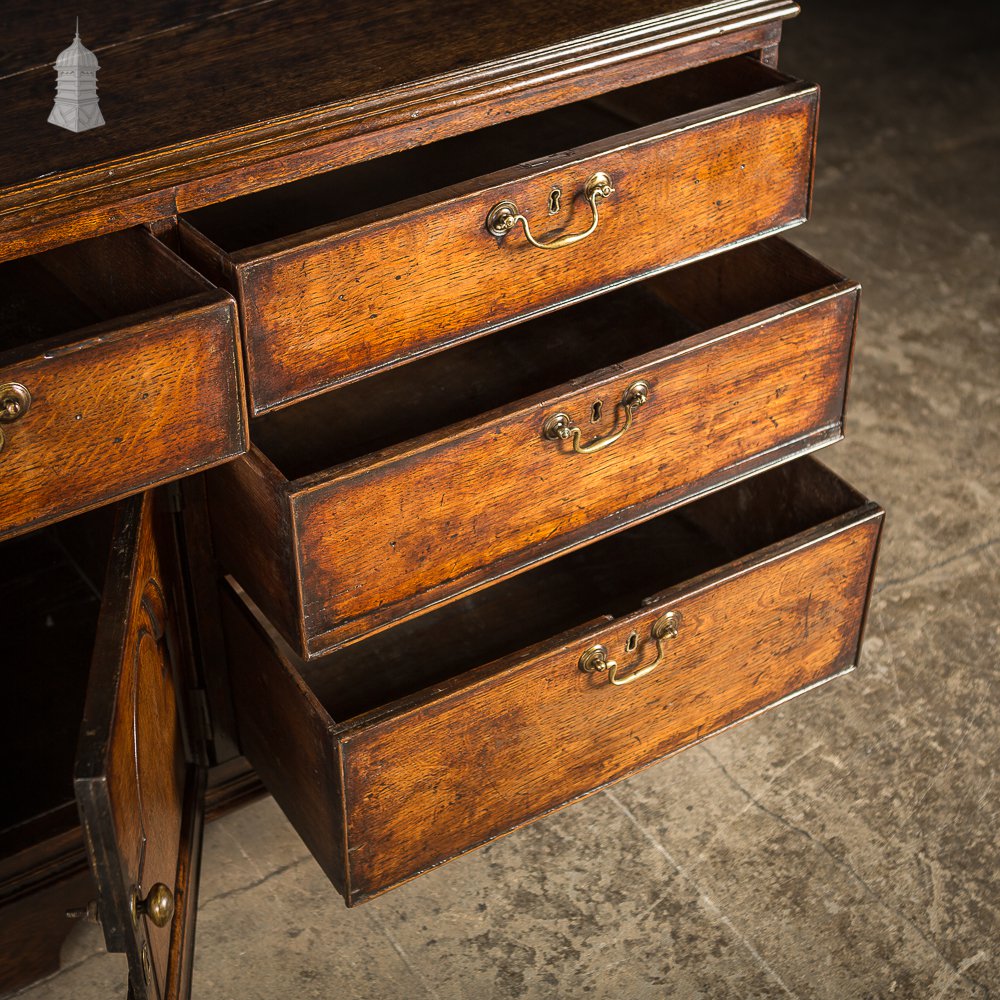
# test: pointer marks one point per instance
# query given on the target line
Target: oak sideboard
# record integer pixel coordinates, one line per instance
(406, 411)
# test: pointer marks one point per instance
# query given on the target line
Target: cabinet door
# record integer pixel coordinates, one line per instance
(140, 775)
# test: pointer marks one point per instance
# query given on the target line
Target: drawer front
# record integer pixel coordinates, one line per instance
(346, 305)
(425, 785)
(396, 537)
(122, 410)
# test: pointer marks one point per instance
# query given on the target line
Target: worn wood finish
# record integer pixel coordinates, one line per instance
(423, 499)
(140, 799)
(412, 276)
(133, 365)
(327, 523)
(415, 71)
(479, 753)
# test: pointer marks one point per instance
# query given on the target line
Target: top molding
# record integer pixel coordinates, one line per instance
(243, 98)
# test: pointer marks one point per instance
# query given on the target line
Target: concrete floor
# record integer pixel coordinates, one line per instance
(844, 845)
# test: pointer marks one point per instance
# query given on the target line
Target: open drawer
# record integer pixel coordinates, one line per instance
(393, 755)
(120, 368)
(343, 275)
(374, 503)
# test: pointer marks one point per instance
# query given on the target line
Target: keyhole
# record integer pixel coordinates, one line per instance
(554, 196)
(631, 642)
(595, 412)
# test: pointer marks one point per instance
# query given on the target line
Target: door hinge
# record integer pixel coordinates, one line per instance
(201, 728)
(174, 497)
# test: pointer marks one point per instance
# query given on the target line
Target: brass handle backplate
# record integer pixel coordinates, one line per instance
(504, 216)
(158, 905)
(560, 427)
(596, 659)
(15, 401)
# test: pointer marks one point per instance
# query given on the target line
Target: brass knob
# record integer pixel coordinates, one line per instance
(15, 401)
(158, 905)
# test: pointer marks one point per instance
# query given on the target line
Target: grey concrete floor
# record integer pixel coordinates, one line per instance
(844, 845)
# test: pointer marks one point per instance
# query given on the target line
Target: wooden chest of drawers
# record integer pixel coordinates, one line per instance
(484, 386)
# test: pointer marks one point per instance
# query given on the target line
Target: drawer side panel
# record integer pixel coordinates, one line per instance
(285, 734)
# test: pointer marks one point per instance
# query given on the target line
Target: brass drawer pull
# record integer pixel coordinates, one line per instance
(504, 216)
(595, 659)
(15, 401)
(559, 427)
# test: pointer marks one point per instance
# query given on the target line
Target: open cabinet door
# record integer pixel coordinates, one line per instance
(140, 778)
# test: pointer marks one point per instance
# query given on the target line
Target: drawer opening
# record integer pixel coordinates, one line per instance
(57, 292)
(349, 192)
(607, 579)
(472, 379)
(50, 599)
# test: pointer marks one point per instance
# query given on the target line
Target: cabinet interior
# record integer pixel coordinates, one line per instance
(360, 188)
(467, 381)
(612, 577)
(51, 294)
(50, 599)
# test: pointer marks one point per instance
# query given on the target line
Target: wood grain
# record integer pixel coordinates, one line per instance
(140, 819)
(368, 549)
(343, 301)
(476, 755)
(418, 68)
(146, 389)
(290, 743)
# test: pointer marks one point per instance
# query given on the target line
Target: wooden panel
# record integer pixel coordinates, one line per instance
(351, 303)
(253, 535)
(415, 66)
(140, 800)
(289, 743)
(425, 785)
(371, 549)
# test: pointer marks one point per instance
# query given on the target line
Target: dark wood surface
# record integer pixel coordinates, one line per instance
(770, 375)
(405, 264)
(134, 369)
(141, 798)
(478, 753)
(34, 926)
(205, 101)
